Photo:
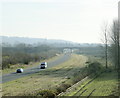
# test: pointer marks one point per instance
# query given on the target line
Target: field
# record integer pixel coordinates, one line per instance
(50, 78)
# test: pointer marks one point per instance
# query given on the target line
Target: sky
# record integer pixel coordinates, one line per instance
(73, 20)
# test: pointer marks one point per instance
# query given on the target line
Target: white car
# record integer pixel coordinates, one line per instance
(43, 65)
(20, 70)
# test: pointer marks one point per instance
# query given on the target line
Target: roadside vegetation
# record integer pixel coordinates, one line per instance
(25, 54)
(31, 64)
(97, 51)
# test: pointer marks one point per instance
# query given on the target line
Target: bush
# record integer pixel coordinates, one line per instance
(62, 87)
(95, 68)
(25, 53)
(46, 94)
(6, 62)
(79, 77)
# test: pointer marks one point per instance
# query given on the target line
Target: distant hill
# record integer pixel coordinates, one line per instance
(26, 40)
(36, 41)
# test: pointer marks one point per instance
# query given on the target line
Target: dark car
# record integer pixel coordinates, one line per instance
(43, 65)
(20, 70)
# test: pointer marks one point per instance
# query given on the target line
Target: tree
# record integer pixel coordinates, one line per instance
(115, 43)
(105, 41)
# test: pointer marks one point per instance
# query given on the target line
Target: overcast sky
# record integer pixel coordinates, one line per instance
(73, 20)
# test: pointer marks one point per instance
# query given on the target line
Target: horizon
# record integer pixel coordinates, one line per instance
(71, 20)
(47, 39)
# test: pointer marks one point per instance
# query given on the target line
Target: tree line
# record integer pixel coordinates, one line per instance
(26, 53)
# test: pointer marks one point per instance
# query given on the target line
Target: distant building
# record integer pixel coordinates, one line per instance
(67, 50)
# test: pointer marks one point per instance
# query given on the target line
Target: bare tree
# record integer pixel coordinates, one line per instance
(115, 43)
(105, 41)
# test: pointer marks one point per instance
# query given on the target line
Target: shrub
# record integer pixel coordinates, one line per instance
(46, 94)
(95, 68)
(87, 62)
(24, 54)
(79, 77)
(5, 62)
(62, 87)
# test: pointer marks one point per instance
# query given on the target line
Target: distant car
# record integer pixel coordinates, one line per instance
(43, 65)
(20, 70)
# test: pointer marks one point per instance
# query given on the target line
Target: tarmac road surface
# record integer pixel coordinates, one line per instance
(14, 75)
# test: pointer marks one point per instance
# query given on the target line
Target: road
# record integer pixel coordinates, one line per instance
(29, 71)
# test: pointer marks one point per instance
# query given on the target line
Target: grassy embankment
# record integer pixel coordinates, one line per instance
(56, 79)
(104, 85)
(31, 64)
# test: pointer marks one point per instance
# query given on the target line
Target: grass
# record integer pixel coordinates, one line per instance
(31, 64)
(29, 85)
(99, 59)
(47, 79)
(0, 90)
(102, 86)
